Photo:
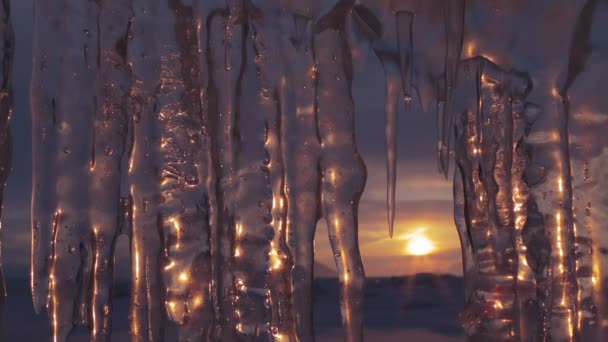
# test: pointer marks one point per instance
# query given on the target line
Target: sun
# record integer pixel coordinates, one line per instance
(419, 245)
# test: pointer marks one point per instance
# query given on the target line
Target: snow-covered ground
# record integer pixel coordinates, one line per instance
(416, 308)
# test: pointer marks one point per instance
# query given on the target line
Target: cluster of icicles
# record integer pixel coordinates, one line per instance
(216, 133)
(534, 255)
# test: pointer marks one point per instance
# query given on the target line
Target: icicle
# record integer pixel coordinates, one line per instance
(343, 171)
(583, 322)
(302, 178)
(562, 309)
(146, 323)
(69, 147)
(469, 156)
(454, 25)
(460, 219)
(526, 299)
(272, 56)
(589, 157)
(405, 22)
(6, 110)
(44, 98)
(77, 147)
(485, 156)
(404, 25)
(201, 11)
(108, 148)
(184, 209)
(223, 103)
(393, 90)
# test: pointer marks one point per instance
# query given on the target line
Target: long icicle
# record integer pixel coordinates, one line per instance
(185, 207)
(277, 104)
(343, 171)
(393, 90)
(147, 318)
(404, 27)
(110, 128)
(225, 65)
(301, 161)
(72, 237)
(43, 99)
(454, 25)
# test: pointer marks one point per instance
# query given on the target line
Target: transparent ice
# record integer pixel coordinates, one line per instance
(216, 134)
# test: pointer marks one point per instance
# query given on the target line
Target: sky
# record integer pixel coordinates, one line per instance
(424, 196)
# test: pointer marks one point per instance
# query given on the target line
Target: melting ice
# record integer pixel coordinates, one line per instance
(216, 134)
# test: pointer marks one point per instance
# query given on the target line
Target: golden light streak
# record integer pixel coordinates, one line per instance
(132, 160)
(177, 227)
(498, 305)
(570, 326)
(136, 252)
(54, 302)
(95, 272)
(170, 266)
(275, 258)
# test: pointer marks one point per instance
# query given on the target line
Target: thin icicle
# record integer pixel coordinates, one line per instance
(146, 323)
(343, 171)
(393, 92)
(223, 106)
(454, 26)
(525, 291)
(578, 202)
(395, 51)
(44, 98)
(564, 287)
(404, 68)
(405, 26)
(302, 176)
(273, 47)
(460, 219)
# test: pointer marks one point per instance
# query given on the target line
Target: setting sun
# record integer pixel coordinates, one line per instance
(419, 245)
